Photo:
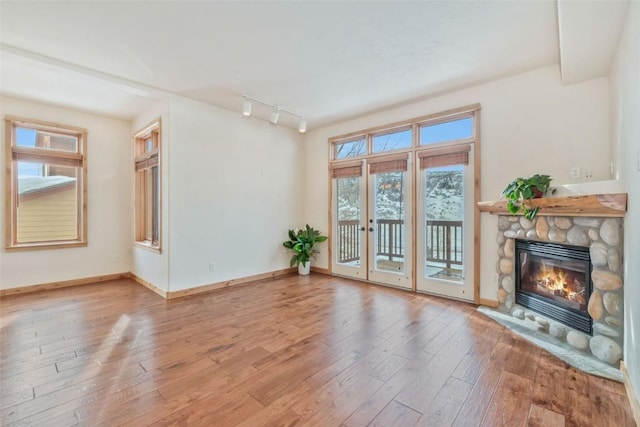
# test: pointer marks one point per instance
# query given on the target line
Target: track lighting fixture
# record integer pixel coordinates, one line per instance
(275, 112)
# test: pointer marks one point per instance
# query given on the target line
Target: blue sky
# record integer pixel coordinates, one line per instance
(27, 138)
(448, 131)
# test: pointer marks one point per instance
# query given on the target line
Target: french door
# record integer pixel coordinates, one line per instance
(403, 204)
(372, 226)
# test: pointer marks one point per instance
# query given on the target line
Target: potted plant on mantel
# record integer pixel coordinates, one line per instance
(304, 244)
(522, 189)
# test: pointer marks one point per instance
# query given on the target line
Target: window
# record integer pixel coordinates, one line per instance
(393, 140)
(450, 130)
(47, 185)
(454, 126)
(147, 186)
(352, 148)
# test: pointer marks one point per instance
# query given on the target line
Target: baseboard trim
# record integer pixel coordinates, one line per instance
(489, 303)
(63, 284)
(631, 394)
(228, 283)
(320, 270)
(148, 285)
(161, 292)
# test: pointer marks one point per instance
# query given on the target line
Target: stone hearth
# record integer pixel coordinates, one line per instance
(603, 236)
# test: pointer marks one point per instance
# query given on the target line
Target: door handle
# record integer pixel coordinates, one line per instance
(370, 228)
(363, 228)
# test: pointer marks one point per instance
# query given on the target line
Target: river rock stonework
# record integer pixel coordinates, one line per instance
(603, 237)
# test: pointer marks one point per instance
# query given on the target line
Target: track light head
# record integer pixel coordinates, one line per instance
(246, 107)
(275, 115)
(302, 125)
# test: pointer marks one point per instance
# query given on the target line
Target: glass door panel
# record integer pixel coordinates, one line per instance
(389, 226)
(389, 222)
(349, 237)
(444, 207)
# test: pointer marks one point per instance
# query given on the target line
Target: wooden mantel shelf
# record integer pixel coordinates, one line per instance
(603, 205)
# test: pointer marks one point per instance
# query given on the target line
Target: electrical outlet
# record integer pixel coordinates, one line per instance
(588, 174)
(212, 266)
(575, 173)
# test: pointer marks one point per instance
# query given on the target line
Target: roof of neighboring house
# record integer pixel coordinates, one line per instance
(40, 185)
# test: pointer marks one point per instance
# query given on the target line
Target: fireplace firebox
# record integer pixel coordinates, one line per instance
(554, 280)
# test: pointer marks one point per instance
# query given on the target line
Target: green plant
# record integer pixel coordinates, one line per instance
(521, 189)
(304, 244)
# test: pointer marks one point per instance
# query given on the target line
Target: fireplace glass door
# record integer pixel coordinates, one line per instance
(559, 280)
(555, 280)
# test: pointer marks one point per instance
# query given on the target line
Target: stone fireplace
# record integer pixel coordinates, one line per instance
(603, 238)
(573, 301)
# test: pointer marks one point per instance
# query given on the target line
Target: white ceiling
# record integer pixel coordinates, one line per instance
(325, 60)
(589, 35)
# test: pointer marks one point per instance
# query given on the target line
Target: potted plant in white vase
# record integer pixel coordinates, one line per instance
(304, 244)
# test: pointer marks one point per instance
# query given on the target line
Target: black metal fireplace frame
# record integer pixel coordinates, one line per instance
(576, 319)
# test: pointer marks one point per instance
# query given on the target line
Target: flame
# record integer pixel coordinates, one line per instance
(556, 281)
(551, 278)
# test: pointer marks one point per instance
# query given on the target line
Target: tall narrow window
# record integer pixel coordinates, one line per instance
(147, 186)
(46, 190)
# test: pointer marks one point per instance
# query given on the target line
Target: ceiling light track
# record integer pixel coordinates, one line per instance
(275, 112)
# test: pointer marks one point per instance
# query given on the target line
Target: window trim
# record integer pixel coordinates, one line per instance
(79, 157)
(140, 155)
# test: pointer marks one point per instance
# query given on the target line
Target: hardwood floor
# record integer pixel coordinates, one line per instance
(293, 351)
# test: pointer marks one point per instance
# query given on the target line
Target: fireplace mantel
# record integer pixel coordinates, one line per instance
(593, 205)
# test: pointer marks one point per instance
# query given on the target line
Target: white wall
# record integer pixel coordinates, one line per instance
(235, 189)
(146, 264)
(108, 201)
(231, 189)
(530, 124)
(625, 106)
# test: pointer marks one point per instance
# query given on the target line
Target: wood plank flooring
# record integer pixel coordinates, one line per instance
(291, 351)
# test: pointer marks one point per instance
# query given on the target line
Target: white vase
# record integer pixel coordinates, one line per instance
(303, 269)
